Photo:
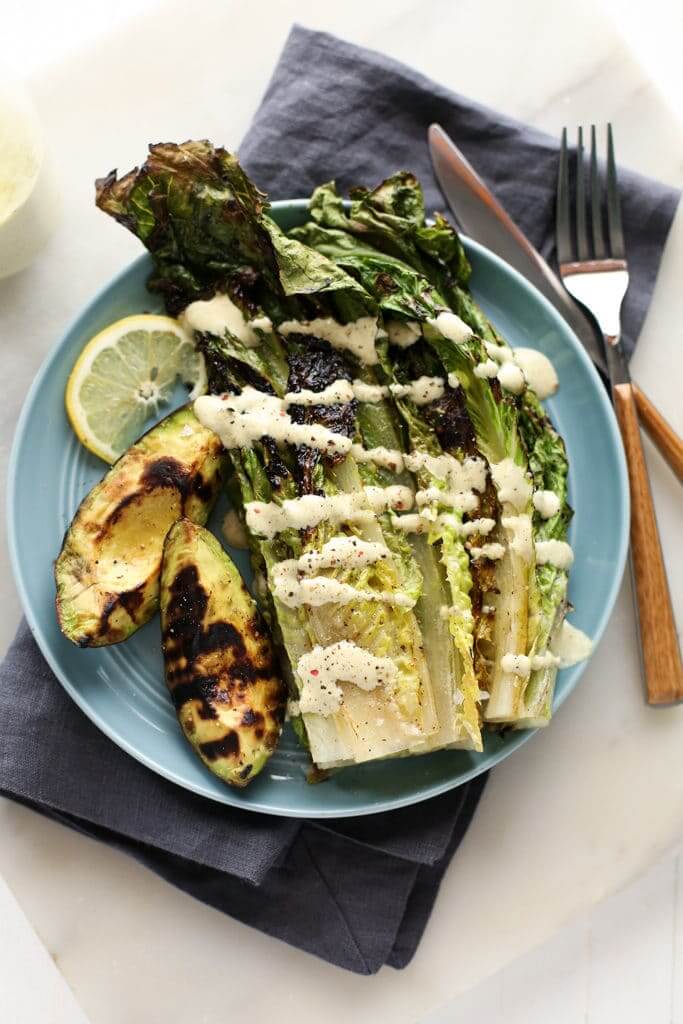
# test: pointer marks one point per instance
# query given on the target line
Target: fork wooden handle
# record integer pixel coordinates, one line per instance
(659, 642)
(662, 433)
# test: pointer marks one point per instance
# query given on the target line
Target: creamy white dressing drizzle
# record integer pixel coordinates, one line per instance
(403, 333)
(487, 368)
(369, 392)
(491, 551)
(266, 519)
(453, 381)
(516, 665)
(460, 476)
(340, 391)
(342, 553)
(261, 323)
(511, 378)
(571, 645)
(524, 366)
(501, 353)
(512, 484)
(440, 466)
(323, 668)
(545, 660)
(357, 337)
(461, 480)
(315, 591)
(546, 503)
(483, 526)
(388, 458)
(420, 391)
(463, 501)
(239, 420)
(421, 522)
(380, 499)
(451, 327)
(554, 552)
(520, 528)
(413, 523)
(539, 372)
(220, 314)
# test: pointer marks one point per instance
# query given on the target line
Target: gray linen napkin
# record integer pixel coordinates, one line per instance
(335, 110)
(356, 892)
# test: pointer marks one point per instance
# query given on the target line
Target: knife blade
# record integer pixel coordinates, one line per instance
(480, 215)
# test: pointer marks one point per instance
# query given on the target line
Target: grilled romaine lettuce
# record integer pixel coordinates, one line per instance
(548, 464)
(371, 298)
(206, 228)
(384, 237)
(365, 727)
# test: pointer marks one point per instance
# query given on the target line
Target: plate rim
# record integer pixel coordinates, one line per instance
(230, 798)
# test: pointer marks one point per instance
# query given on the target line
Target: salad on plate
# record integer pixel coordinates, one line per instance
(390, 464)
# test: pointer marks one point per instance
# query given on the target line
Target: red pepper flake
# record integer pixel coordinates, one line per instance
(314, 672)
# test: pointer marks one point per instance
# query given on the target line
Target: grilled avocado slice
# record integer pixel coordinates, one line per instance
(220, 668)
(107, 573)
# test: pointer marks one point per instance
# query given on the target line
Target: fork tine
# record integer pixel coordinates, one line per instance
(581, 230)
(614, 229)
(563, 232)
(596, 206)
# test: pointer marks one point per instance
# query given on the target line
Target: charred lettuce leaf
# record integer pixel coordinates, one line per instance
(305, 272)
(391, 217)
(206, 227)
(208, 230)
(384, 236)
(549, 467)
(198, 214)
(397, 289)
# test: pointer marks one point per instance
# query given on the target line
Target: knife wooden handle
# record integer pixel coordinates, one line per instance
(659, 642)
(662, 433)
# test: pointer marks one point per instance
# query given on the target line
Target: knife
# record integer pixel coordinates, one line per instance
(480, 215)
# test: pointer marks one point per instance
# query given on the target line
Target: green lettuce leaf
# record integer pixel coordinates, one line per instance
(549, 467)
(391, 217)
(397, 289)
(384, 239)
(206, 227)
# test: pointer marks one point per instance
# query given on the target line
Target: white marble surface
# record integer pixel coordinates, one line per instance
(31, 985)
(619, 963)
(578, 812)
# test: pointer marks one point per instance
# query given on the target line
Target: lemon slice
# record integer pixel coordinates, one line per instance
(124, 375)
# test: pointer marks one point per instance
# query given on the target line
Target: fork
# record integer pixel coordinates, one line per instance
(598, 279)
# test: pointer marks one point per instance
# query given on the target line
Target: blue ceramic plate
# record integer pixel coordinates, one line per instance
(122, 688)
